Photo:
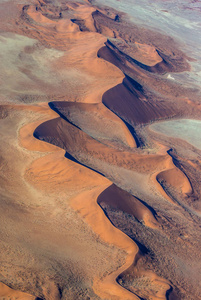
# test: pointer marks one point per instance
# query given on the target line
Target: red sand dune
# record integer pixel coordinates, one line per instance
(115, 214)
(97, 121)
(117, 198)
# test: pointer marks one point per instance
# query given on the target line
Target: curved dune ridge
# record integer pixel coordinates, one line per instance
(55, 175)
(70, 139)
(103, 158)
(101, 210)
(37, 175)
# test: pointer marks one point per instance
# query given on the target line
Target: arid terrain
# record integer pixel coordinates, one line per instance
(100, 156)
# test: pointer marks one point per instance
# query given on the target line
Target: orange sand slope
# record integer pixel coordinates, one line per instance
(8, 293)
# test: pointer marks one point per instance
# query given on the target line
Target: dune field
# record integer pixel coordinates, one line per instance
(100, 157)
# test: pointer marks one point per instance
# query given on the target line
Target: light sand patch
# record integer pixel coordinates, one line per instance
(27, 69)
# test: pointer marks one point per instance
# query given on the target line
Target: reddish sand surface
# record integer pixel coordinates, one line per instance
(93, 204)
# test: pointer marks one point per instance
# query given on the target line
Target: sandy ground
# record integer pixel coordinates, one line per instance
(94, 205)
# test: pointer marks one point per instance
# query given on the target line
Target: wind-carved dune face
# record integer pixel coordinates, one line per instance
(94, 204)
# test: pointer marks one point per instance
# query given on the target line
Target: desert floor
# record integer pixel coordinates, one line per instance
(99, 198)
